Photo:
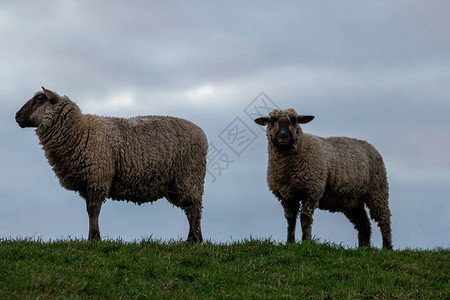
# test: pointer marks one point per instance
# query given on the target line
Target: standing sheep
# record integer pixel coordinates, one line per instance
(335, 174)
(139, 159)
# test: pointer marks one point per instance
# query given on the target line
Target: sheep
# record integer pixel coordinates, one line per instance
(140, 159)
(338, 174)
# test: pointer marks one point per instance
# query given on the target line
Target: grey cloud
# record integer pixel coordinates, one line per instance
(143, 44)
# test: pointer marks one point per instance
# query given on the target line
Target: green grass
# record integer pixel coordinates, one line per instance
(241, 270)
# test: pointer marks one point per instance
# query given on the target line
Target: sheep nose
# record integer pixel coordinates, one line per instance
(283, 135)
(18, 115)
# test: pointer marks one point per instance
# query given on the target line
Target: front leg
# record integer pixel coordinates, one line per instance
(306, 217)
(291, 209)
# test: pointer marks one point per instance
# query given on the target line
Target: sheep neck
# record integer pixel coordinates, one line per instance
(284, 159)
(63, 134)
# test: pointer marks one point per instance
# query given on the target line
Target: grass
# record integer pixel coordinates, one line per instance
(248, 269)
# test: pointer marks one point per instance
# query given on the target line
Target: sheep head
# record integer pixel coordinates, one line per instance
(283, 130)
(32, 113)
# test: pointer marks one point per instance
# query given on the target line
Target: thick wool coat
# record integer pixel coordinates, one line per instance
(139, 159)
(337, 174)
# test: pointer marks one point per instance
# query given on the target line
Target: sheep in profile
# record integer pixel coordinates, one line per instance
(337, 174)
(139, 159)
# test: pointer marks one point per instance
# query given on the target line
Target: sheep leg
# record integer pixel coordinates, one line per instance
(386, 233)
(194, 215)
(309, 204)
(306, 222)
(358, 216)
(385, 228)
(291, 210)
(93, 209)
(380, 212)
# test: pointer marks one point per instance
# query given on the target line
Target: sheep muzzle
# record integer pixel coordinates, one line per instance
(21, 117)
(26, 117)
(283, 136)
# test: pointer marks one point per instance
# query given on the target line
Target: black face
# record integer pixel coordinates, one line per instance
(283, 130)
(282, 138)
(23, 116)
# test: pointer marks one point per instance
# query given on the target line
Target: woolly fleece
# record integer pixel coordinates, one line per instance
(139, 159)
(338, 174)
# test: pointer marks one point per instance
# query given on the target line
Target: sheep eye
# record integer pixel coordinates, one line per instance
(40, 97)
(273, 120)
(293, 120)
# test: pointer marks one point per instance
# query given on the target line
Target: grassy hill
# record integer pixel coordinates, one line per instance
(249, 269)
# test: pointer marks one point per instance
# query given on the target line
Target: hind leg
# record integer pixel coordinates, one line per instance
(94, 200)
(379, 211)
(194, 215)
(93, 209)
(188, 198)
(358, 216)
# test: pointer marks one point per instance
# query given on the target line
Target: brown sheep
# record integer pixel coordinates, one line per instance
(140, 159)
(337, 174)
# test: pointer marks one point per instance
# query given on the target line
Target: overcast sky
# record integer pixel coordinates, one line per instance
(374, 70)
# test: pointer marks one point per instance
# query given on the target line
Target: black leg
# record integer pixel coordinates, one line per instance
(291, 209)
(358, 216)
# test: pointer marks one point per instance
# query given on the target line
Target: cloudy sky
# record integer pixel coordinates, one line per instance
(374, 70)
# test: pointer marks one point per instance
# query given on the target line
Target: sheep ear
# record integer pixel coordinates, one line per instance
(262, 121)
(52, 97)
(304, 119)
